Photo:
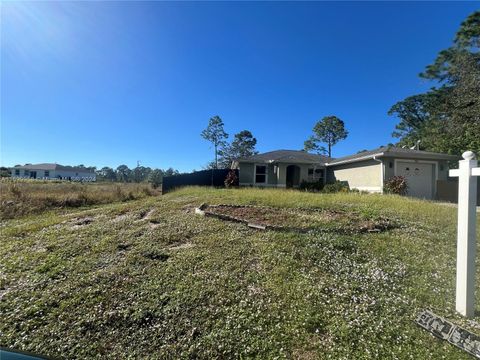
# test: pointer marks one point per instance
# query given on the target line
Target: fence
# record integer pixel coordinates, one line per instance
(215, 177)
(447, 190)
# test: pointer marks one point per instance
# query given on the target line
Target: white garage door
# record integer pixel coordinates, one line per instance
(419, 178)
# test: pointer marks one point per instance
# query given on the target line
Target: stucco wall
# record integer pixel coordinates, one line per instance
(245, 173)
(282, 175)
(362, 175)
(272, 177)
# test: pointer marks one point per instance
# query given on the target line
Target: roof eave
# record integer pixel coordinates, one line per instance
(366, 157)
(280, 161)
(435, 156)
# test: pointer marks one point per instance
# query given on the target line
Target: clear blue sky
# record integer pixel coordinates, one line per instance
(110, 83)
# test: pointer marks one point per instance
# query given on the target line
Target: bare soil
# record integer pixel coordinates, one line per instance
(302, 219)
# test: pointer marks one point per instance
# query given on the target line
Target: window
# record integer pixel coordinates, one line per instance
(315, 174)
(26, 173)
(17, 172)
(47, 173)
(260, 174)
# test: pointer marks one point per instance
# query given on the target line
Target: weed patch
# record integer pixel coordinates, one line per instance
(23, 197)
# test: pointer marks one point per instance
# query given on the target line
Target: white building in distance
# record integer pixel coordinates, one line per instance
(52, 172)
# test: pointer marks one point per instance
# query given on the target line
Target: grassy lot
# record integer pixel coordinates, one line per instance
(149, 279)
(21, 197)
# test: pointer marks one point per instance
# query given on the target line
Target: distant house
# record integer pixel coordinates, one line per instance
(53, 171)
(366, 171)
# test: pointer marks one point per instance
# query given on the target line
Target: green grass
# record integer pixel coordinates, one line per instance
(149, 279)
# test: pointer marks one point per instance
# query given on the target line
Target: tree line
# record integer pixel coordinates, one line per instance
(121, 174)
(136, 175)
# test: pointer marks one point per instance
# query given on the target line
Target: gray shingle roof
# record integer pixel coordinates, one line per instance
(286, 156)
(49, 166)
(392, 151)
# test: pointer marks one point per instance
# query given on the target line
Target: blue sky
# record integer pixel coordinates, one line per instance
(110, 83)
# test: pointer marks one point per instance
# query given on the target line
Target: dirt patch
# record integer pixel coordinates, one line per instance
(153, 224)
(155, 255)
(84, 221)
(146, 214)
(81, 222)
(121, 218)
(378, 225)
(299, 219)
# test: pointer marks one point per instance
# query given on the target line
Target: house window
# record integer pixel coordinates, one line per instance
(315, 174)
(17, 172)
(26, 173)
(47, 173)
(260, 174)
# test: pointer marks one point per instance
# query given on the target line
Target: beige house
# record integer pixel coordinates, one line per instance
(366, 170)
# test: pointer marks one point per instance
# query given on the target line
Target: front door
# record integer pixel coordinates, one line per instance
(419, 178)
(293, 176)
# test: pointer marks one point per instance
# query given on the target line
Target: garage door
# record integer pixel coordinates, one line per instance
(419, 178)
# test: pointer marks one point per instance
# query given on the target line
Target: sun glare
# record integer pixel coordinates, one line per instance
(33, 31)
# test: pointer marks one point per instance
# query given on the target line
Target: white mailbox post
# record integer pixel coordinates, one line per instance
(466, 233)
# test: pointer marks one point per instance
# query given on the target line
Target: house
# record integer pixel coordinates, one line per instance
(52, 171)
(281, 168)
(367, 170)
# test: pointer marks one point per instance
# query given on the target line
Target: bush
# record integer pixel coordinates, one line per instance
(311, 186)
(396, 185)
(155, 178)
(231, 179)
(337, 186)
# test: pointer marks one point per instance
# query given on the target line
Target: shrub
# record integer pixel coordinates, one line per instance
(311, 186)
(155, 178)
(337, 186)
(231, 179)
(396, 185)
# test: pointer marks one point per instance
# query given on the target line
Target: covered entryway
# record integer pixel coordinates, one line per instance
(420, 178)
(293, 176)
